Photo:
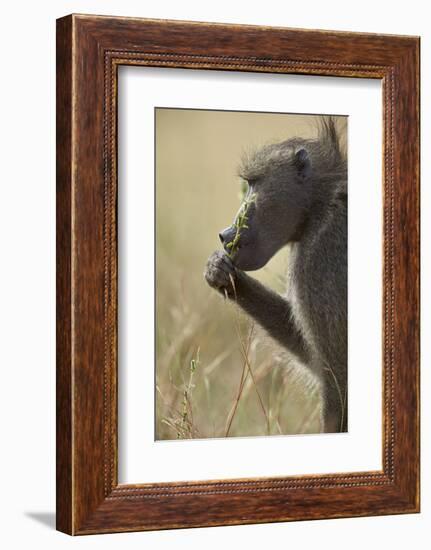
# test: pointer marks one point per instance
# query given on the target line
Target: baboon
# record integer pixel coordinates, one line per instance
(297, 196)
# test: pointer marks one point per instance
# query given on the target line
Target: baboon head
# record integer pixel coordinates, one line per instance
(276, 203)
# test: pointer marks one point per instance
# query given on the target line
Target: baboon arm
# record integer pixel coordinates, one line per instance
(271, 311)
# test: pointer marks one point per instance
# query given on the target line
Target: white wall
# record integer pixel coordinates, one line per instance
(27, 309)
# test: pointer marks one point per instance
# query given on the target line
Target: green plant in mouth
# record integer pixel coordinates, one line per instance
(243, 189)
(241, 223)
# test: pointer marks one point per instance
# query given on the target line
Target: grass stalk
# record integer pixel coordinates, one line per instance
(243, 379)
(244, 352)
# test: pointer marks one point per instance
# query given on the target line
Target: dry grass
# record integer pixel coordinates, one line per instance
(219, 376)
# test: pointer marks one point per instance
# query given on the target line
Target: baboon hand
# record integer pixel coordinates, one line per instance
(220, 273)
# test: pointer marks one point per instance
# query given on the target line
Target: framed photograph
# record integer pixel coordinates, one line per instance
(237, 274)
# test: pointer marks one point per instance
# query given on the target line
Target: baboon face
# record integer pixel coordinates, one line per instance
(276, 204)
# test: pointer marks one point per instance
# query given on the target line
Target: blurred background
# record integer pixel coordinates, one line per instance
(217, 373)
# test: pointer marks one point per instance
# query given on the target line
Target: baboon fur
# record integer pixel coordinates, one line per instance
(299, 199)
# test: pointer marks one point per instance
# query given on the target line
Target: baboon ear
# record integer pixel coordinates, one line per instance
(302, 163)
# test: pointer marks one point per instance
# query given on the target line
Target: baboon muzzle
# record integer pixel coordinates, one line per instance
(227, 235)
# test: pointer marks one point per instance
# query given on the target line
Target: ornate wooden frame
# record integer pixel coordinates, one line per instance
(89, 51)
